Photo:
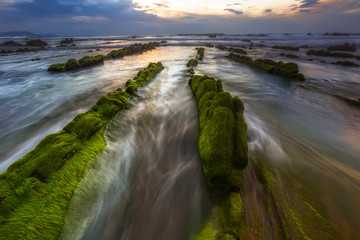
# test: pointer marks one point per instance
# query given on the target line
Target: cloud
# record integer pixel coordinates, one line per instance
(236, 12)
(88, 18)
(304, 10)
(9, 2)
(267, 10)
(309, 3)
(161, 5)
(233, 4)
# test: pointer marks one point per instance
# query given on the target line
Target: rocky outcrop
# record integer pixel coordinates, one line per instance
(11, 44)
(99, 59)
(36, 42)
(288, 70)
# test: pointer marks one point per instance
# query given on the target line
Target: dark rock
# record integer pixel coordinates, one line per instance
(36, 42)
(67, 41)
(347, 47)
(11, 44)
(346, 63)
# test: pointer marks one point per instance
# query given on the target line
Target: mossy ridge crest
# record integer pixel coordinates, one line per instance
(223, 151)
(143, 77)
(73, 64)
(35, 190)
(288, 70)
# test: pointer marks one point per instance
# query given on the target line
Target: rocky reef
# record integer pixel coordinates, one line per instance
(132, 49)
(288, 48)
(67, 41)
(200, 53)
(232, 49)
(325, 53)
(36, 190)
(36, 42)
(11, 44)
(192, 63)
(87, 61)
(288, 70)
(143, 77)
(347, 47)
(223, 154)
(289, 56)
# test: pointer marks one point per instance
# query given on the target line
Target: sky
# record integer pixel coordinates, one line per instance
(116, 17)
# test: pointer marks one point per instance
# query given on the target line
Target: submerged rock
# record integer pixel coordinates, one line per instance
(288, 48)
(67, 41)
(347, 47)
(325, 53)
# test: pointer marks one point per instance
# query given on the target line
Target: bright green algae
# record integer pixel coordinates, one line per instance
(36, 190)
(288, 70)
(223, 154)
(143, 77)
(87, 61)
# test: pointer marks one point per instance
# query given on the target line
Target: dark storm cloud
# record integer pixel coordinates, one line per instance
(309, 3)
(236, 12)
(267, 10)
(73, 17)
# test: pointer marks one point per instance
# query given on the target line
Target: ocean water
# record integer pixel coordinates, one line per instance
(306, 130)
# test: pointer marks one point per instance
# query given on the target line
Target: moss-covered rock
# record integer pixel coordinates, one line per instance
(58, 67)
(230, 214)
(200, 54)
(289, 56)
(347, 47)
(87, 61)
(288, 48)
(324, 53)
(90, 61)
(72, 64)
(190, 71)
(192, 63)
(287, 70)
(36, 190)
(222, 138)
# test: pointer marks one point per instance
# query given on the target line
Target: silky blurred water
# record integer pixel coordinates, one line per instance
(148, 184)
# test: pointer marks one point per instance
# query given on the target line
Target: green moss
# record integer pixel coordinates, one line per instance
(208, 231)
(72, 64)
(87, 61)
(287, 70)
(192, 63)
(324, 53)
(230, 213)
(59, 67)
(36, 190)
(90, 61)
(190, 71)
(222, 137)
(143, 77)
(200, 54)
